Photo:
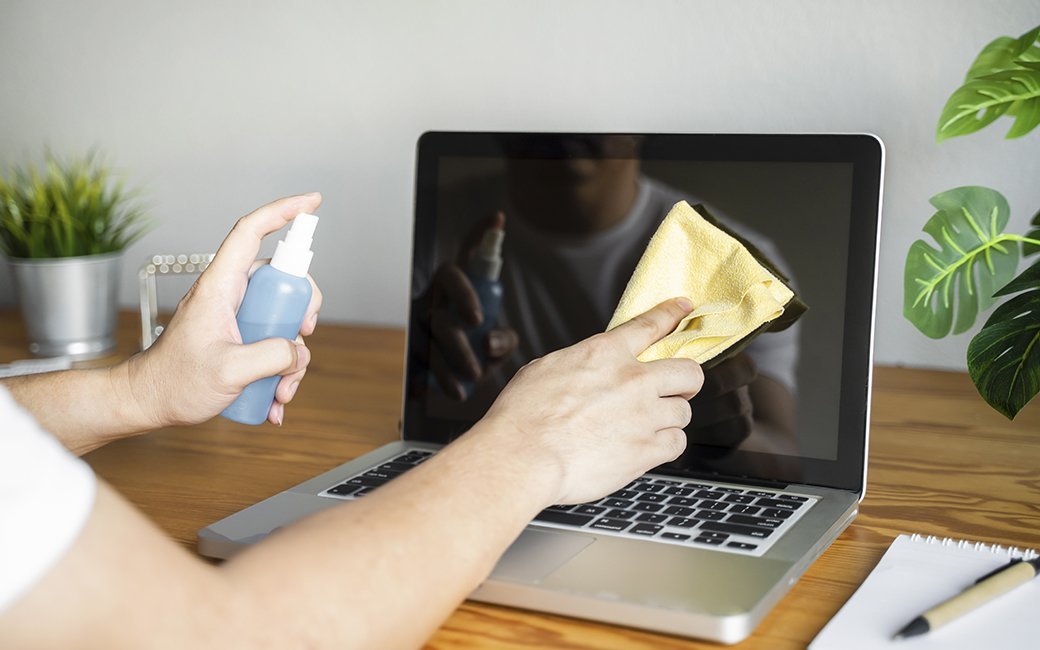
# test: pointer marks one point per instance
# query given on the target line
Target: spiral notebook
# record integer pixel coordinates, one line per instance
(918, 572)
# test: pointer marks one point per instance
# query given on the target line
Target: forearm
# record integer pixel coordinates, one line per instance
(386, 570)
(85, 409)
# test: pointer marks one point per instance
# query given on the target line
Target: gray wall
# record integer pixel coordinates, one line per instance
(218, 107)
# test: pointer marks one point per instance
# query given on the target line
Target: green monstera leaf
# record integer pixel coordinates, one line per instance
(946, 287)
(1004, 357)
(1003, 80)
(1006, 53)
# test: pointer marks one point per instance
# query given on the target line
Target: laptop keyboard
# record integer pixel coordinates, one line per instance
(697, 513)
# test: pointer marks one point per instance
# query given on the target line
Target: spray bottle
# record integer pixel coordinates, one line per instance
(274, 306)
(483, 272)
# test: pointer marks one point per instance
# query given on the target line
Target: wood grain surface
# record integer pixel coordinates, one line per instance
(941, 463)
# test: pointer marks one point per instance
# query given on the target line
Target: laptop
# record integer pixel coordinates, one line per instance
(775, 469)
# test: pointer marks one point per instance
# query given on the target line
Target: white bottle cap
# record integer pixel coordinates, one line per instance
(293, 254)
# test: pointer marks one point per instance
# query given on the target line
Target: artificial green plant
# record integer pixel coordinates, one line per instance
(67, 209)
(975, 263)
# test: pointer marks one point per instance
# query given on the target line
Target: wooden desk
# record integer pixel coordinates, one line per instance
(941, 463)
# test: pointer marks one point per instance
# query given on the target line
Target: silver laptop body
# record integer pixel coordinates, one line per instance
(817, 198)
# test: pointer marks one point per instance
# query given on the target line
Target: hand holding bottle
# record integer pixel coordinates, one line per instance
(199, 365)
(466, 298)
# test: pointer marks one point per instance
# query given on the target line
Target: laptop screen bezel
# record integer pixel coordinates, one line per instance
(865, 153)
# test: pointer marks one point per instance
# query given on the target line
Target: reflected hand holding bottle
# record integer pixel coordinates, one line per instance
(466, 298)
(723, 411)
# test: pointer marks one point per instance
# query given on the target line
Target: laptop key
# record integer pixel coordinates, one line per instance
(676, 536)
(713, 535)
(794, 497)
(679, 491)
(651, 518)
(774, 512)
(649, 487)
(611, 524)
(739, 498)
(682, 522)
(709, 540)
(679, 511)
(618, 513)
(647, 530)
(708, 494)
(566, 518)
(764, 522)
(624, 494)
(650, 497)
(778, 503)
(561, 508)
(394, 466)
(344, 490)
(367, 481)
(615, 503)
(713, 505)
(728, 489)
(736, 529)
(744, 546)
(644, 506)
(681, 501)
(744, 510)
(382, 474)
(586, 509)
(709, 515)
(759, 493)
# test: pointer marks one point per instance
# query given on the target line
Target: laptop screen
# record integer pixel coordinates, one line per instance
(544, 230)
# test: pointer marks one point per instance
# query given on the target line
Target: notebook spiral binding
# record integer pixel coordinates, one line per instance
(995, 549)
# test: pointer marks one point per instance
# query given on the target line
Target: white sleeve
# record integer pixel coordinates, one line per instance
(46, 496)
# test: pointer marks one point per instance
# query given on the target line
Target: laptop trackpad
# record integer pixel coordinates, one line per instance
(537, 553)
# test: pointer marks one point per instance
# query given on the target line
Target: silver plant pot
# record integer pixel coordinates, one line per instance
(69, 303)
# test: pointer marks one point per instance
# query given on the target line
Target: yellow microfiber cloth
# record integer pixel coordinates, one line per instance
(734, 295)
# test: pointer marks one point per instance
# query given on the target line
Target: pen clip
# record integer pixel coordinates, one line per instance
(999, 569)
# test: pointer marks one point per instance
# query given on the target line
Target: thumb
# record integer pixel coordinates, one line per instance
(265, 358)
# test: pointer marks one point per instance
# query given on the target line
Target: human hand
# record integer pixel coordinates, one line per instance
(456, 313)
(723, 408)
(594, 415)
(199, 365)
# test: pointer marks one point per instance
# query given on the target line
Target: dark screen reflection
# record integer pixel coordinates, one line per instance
(532, 254)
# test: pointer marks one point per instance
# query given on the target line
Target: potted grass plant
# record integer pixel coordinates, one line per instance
(975, 263)
(63, 228)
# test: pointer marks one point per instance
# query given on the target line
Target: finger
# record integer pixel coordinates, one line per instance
(672, 413)
(288, 385)
(651, 326)
(502, 342)
(682, 377)
(663, 447)
(265, 358)
(277, 413)
(471, 241)
(456, 287)
(729, 375)
(242, 244)
(454, 346)
(310, 317)
(450, 385)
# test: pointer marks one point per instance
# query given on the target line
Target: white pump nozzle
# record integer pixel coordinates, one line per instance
(293, 254)
(488, 262)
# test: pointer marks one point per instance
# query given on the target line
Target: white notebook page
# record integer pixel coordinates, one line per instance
(917, 573)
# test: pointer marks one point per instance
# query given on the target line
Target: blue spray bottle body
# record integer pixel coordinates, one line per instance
(274, 306)
(483, 273)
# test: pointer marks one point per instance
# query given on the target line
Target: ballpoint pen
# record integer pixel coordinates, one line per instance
(1004, 579)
